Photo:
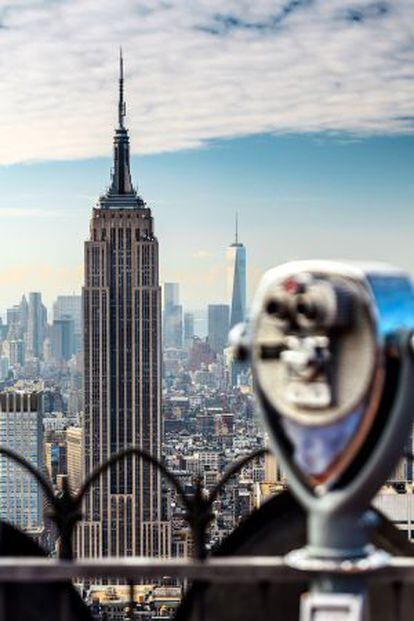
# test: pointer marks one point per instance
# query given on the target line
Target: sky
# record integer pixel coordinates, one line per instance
(297, 114)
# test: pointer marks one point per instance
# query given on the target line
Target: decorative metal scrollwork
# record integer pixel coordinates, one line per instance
(65, 506)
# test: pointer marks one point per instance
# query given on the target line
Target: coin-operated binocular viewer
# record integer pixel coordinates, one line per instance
(332, 358)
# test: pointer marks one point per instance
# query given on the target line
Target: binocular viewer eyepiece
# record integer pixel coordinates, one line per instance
(309, 303)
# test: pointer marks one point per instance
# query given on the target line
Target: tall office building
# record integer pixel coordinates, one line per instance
(21, 430)
(171, 294)
(218, 327)
(70, 307)
(63, 339)
(13, 322)
(17, 319)
(16, 351)
(236, 279)
(236, 285)
(4, 367)
(55, 454)
(122, 374)
(74, 457)
(188, 329)
(173, 316)
(4, 328)
(36, 325)
(24, 315)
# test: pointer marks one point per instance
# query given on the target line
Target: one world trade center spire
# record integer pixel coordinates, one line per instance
(236, 278)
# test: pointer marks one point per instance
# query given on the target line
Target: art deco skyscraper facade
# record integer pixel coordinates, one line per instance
(122, 348)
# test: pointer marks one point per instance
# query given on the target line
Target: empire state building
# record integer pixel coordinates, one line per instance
(122, 373)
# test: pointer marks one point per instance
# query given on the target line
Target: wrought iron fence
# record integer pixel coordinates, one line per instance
(65, 510)
(65, 505)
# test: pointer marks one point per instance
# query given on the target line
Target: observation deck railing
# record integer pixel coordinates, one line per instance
(65, 512)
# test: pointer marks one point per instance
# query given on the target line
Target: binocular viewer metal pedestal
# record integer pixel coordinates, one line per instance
(331, 352)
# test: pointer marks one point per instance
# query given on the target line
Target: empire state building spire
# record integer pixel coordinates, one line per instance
(121, 102)
(121, 192)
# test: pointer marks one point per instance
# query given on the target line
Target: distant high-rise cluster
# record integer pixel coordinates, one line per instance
(28, 343)
(181, 336)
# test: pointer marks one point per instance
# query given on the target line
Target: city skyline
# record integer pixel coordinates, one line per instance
(311, 146)
(148, 409)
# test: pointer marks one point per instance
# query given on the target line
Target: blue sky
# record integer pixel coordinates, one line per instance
(296, 113)
(297, 196)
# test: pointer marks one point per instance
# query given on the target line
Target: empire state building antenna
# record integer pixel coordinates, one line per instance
(121, 103)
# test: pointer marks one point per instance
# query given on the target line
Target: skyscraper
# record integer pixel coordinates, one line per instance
(36, 325)
(63, 339)
(13, 322)
(24, 315)
(17, 320)
(171, 294)
(236, 284)
(4, 368)
(21, 430)
(188, 329)
(122, 375)
(218, 327)
(236, 279)
(70, 307)
(74, 455)
(173, 316)
(16, 350)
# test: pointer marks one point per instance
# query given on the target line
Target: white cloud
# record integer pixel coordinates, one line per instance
(199, 70)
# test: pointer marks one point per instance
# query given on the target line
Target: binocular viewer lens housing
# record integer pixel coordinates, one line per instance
(317, 345)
